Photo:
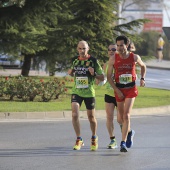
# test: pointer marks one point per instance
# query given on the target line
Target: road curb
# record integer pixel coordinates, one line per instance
(152, 110)
(156, 67)
(67, 114)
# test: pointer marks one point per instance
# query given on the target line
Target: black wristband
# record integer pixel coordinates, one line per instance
(142, 79)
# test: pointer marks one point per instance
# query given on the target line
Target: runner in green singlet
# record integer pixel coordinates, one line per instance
(85, 69)
(110, 102)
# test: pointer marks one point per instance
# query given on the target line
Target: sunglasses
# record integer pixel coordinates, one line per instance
(112, 49)
(82, 48)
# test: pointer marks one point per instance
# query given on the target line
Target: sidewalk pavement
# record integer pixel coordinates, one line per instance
(67, 114)
(163, 110)
(164, 65)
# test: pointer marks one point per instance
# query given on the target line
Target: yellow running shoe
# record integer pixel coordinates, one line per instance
(112, 144)
(78, 145)
(94, 144)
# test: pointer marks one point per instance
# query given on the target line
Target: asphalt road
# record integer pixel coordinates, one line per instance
(47, 145)
(156, 78)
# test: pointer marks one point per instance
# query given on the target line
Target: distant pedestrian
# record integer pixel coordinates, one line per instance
(160, 45)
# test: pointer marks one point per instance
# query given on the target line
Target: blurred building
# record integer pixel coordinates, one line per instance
(150, 9)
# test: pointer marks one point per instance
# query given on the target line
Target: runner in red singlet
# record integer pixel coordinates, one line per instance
(125, 88)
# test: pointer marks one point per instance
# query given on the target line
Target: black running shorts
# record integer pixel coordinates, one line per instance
(110, 99)
(88, 101)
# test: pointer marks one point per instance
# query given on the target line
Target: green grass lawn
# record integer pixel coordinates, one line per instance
(148, 97)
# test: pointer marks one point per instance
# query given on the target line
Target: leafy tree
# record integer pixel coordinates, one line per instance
(53, 16)
(23, 29)
(52, 29)
(95, 22)
(148, 46)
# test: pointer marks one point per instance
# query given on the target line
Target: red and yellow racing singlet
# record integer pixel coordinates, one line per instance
(124, 69)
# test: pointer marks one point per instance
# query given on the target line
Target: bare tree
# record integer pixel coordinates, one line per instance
(140, 4)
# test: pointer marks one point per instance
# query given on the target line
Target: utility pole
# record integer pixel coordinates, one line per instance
(119, 14)
(167, 12)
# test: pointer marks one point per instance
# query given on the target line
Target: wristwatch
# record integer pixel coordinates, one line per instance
(142, 79)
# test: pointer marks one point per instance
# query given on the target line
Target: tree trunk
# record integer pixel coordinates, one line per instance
(26, 65)
(52, 68)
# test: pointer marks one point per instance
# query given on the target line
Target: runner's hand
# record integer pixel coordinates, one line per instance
(142, 83)
(70, 72)
(91, 70)
(120, 94)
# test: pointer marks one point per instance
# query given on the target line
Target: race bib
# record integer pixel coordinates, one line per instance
(125, 78)
(82, 82)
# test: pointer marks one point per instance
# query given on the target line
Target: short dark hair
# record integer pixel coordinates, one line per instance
(124, 38)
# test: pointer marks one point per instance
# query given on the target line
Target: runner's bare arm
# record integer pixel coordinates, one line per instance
(110, 75)
(110, 72)
(143, 69)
